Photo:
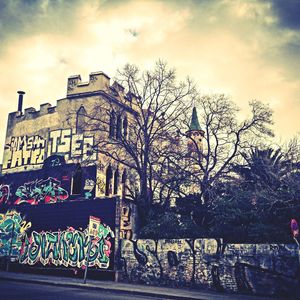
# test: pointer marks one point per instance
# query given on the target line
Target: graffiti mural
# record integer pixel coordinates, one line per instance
(68, 248)
(246, 268)
(24, 150)
(41, 191)
(51, 184)
(4, 194)
(62, 141)
(12, 229)
(29, 151)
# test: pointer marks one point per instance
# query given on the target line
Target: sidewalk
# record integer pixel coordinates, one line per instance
(143, 290)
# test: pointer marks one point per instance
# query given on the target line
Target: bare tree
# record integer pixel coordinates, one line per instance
(223, 139)
(154, 105)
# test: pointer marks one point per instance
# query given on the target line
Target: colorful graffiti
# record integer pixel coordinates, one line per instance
(41, 191)
(23, 151)
(4, 194)
(12, 229)
(246, 268)
(89, 185)
(68, 248)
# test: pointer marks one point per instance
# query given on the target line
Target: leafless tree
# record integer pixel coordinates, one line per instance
(155, 103)
(224, 139)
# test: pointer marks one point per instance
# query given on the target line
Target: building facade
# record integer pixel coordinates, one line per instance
(54, 179)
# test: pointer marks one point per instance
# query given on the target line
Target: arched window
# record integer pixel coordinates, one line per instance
(109, 176)
(112, 122)
(116, 181)
(77, 181)
(124, 178)
(80, 119)
(119, 127)
(125, 125)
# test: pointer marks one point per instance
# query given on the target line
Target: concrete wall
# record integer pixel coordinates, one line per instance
(265, 269)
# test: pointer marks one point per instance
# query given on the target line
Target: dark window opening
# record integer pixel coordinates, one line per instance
(124, 178)
(125, 125)
(80, 119)
(109, 176)
(119, 127)
(77, 181)
(116, 181)
(112, 124)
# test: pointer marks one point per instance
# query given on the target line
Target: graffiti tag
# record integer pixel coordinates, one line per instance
(41, 191)
(68, 248)
(12, 226)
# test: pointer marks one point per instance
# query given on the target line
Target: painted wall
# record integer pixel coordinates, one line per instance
(28, 152)
(56, 235)
(266, 269)
(51, 184)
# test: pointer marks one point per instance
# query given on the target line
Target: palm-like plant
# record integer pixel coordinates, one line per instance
(264, 168)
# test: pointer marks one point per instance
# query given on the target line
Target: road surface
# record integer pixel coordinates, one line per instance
(29, 291)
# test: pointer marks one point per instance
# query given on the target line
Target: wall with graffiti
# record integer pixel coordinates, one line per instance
(57, 235)
(29, 152)
(266, 269)
(128, 219)
(13, 229)
(55, 182)
(68, 248)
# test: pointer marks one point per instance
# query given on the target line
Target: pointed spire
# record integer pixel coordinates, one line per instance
(195, 125)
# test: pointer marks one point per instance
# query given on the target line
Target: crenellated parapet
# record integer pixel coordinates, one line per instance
(98, 81)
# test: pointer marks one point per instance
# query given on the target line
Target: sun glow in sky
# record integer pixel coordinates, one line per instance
(246, 49)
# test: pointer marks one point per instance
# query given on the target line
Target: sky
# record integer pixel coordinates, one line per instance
(245, 49)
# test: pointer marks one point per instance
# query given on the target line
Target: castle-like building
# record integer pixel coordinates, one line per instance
(50, 157)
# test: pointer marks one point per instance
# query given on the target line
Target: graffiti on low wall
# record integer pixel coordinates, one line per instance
(68, 248)
(246, 268)
(12, 228)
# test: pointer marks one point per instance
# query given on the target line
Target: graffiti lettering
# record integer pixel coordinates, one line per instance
(62, 141)
(12, 226)
(41, 191)
(24, 150)
(68, 248)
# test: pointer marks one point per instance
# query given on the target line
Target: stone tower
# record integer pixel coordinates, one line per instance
(195, 134)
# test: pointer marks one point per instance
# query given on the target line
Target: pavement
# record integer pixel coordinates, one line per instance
(133, 289)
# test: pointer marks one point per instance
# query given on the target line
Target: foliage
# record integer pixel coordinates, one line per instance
(258, 204)
(167, 224)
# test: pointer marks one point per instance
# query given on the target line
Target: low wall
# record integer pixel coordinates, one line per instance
(265, 269)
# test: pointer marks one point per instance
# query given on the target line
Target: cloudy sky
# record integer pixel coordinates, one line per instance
(246, 49)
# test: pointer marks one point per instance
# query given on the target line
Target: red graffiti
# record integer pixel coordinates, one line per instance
(4, 194)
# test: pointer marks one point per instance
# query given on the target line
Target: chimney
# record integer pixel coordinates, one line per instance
(20, 103)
